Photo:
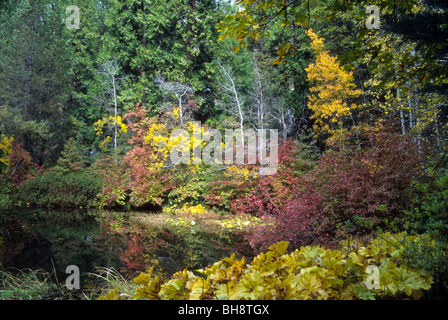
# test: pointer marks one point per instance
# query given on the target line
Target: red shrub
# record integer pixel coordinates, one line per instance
(22, 167)
(148, 185)
(300, 222)
(136, 179)
(270, 193)
(350, 192)
(374, 182)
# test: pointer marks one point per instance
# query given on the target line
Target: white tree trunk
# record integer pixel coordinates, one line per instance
(181, 111)
(403, 126)
(236, 97)
(115, 114)
(260, 100)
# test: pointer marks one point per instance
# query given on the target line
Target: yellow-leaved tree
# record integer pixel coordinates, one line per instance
(111, 128)
(332, 90)
(5, 151)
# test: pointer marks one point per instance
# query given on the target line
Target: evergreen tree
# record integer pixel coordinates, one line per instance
(34, 69)
(426, 26)
(158, 38)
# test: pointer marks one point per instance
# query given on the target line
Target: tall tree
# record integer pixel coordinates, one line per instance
(332, 92)
(87, 55)
(171, 39)
(232, 89)
(32, 47)
(110, 69)
(35, 70)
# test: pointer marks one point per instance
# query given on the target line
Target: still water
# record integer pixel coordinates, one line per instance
(52, 240)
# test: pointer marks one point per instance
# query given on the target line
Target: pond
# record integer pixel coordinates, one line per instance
(129, 242)
(46, 240)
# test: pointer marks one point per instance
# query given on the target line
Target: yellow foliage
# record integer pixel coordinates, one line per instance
(149, 287)
(240, 223)
(242, 172)
(331, 92)
(161, 139)
(186, 208)
(311, 272)
(112, 295)
(5, 151)
(110, 123)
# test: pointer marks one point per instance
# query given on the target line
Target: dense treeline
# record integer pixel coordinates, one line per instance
(86, 113)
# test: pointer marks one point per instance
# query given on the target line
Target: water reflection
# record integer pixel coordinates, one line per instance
(53, 239)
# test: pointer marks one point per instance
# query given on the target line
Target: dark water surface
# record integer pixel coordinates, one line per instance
(52, 240)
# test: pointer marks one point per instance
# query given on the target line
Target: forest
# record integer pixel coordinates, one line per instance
(223, 150)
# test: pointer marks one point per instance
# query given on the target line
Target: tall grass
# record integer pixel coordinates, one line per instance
(27, 285)
(108, 279)
(30, 284)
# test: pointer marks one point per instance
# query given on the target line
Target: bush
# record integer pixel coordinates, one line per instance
(429, 211)
(267, 195)
(57, 190)
(138, 179)
(370, 184)
(21, 167)
(429, 215)
(207, 185)
(351, 192)
(300, 221)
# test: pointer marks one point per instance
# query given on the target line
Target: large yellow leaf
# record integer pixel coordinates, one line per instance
(310, 286)
(199, 288)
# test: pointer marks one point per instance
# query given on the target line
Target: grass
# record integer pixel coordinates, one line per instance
(30, 284)
(209, 221)
(27, 285)
(107, 279)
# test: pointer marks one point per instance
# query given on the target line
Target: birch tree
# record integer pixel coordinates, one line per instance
(179, 90)
(268, 105)
(110, 71)
(231, 89)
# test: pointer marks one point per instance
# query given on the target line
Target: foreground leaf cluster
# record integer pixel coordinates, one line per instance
(311, 272)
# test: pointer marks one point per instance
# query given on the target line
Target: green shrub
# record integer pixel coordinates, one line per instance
(429, 211)
(57, 190)
(5, 199)
(429, 215)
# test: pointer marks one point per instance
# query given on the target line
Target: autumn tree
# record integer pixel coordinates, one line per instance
(110, 70)
(332, 92)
